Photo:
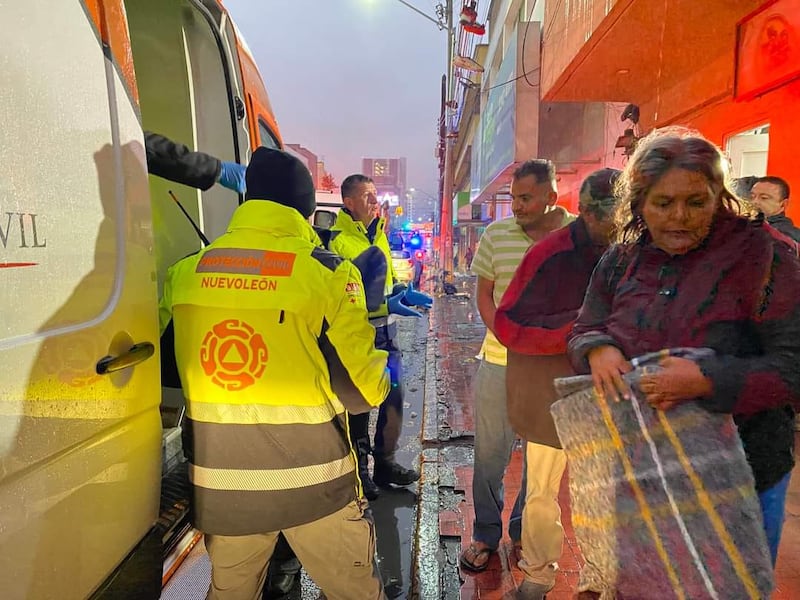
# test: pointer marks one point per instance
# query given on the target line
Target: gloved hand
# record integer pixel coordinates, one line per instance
(415, 298)
(372, 264)
(231, 176)
(396, 306)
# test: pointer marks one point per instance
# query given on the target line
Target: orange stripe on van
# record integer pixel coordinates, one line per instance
(111, 21)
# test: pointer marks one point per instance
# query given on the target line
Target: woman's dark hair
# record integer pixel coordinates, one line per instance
(657, 153)
(743, 186)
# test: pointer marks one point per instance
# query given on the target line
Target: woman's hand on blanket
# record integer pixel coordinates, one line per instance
(608, 365)
(679, 380)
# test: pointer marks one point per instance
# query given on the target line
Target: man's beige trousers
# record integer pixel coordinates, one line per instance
(336, 551)
(542, 533)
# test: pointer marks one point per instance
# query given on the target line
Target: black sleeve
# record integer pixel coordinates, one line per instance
(178, 163)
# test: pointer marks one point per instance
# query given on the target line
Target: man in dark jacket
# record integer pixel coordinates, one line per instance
(532, 322)
(771, 196)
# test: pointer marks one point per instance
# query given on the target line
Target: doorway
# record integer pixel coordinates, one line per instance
(748, 151)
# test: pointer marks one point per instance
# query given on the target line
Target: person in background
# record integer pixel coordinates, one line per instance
(468, 256)
(269, 369)
(534, 317)
(358, 228)
(691, 271)
(771, 196)
(176, 162)
(502, 246)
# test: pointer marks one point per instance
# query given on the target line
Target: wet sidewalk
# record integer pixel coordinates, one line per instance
(446, 510)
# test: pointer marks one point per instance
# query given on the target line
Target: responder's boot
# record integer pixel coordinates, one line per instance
(284, 572)
(279, 585)
(388, 472)
(363, 449)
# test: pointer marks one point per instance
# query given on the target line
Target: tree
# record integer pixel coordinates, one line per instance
(328, 183)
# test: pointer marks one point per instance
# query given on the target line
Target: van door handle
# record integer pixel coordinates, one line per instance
(137, 353)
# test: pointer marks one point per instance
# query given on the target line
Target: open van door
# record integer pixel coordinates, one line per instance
(80, 431)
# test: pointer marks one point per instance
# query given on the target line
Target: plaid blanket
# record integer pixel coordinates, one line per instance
(663, 503)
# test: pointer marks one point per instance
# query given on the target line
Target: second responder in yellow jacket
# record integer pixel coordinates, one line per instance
(357, 228)
(273, 344)
(350, 237)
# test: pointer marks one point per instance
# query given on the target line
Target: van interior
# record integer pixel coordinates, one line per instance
(183, 80)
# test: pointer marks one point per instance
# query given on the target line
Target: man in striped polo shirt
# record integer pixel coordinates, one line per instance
(502, 246)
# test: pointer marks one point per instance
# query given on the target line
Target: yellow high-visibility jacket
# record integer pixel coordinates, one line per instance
(272, 344)
(349, 238)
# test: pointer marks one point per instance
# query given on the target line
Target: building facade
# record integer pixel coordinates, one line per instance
(389, 175)
(609, 71)
(731, 70)
(503, 121)
(309, 159)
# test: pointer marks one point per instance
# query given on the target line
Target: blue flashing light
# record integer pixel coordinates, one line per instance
(415, 241)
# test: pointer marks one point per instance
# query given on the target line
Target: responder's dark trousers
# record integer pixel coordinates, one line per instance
(390, 413)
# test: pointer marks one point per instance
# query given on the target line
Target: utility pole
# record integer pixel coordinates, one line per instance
(446, 204)
(445, 224)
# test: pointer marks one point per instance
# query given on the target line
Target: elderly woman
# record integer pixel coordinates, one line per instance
(691, 271)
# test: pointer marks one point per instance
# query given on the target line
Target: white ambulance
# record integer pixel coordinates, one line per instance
(90, 497)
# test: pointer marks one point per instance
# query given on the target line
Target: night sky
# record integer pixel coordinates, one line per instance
(351, 78)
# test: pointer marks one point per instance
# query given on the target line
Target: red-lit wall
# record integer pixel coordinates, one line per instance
(567, 26)
(694, 93)
(780, 109)
(702, 103)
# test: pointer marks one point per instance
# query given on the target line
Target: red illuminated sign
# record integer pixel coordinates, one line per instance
(767, 48)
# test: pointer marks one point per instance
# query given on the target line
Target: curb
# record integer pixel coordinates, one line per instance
(435, 562)
(426, 566)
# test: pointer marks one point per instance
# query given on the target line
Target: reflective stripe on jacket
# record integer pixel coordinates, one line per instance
(272, 344)
(349, 239)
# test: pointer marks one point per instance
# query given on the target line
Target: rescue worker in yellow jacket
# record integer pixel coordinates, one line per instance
(358, 228)
(273, 345)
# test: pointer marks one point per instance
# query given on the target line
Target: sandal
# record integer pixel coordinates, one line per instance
(475, 553)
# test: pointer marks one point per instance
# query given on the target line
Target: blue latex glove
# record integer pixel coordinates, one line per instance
(415, 298)
(231, 176)
(396, 306)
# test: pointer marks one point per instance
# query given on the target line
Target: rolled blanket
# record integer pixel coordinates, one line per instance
(663, 503)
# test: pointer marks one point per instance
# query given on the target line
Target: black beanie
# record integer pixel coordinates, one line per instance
(280, 177)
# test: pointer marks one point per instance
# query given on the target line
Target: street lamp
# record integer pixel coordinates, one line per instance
(438, 23)
(444, 12)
